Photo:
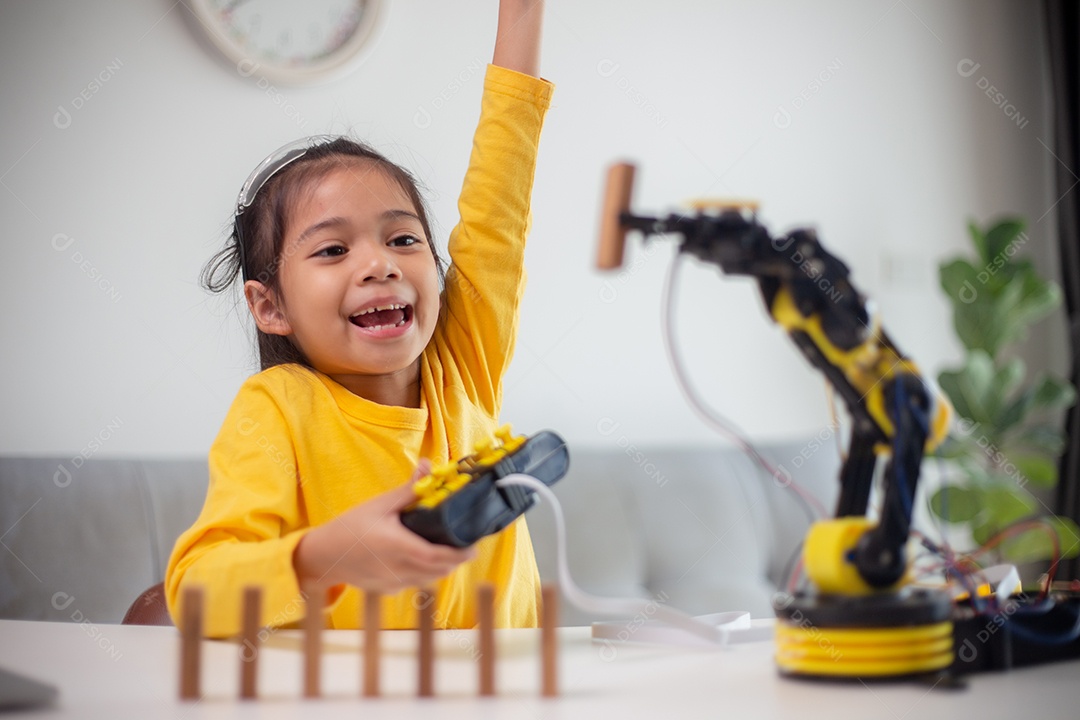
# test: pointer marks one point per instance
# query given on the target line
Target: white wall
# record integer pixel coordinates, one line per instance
(109, 345)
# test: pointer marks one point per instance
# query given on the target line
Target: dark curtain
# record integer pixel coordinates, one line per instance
(1063, 36)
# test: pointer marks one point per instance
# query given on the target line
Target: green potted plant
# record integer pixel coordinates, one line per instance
(1006, 443)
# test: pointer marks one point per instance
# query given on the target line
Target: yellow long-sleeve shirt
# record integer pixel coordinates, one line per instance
(297, 449)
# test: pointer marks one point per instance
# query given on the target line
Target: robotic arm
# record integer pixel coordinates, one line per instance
(861, 616)
(807, 291)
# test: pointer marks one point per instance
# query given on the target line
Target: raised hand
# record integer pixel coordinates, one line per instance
(517, 43)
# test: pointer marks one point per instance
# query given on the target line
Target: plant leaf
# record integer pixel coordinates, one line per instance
(1018, 297)
(1045, 393)
(1006, 502)
(1008, 303)
(1000, 237)
(957, 446)
(968, 387)
(952, 384)
(1003, 502)
(1005, 381)
(994, 304)
(1036, 469)
(955, 504)
(982, 529)
(958, 280)
(1045, 438)
(1038, 297)
(973, 308)
(1035, 544)
(982, 324)
(1053, 393)
(978, 239)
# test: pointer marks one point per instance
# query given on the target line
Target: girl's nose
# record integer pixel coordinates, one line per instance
(377, 263)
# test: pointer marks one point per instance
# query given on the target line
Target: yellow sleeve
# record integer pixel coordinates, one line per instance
(486, 278)
(250, 523)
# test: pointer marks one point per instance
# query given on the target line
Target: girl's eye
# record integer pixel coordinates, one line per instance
(332, 251)
(404, 241)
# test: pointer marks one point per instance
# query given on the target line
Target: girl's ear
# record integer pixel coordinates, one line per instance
(265, 309)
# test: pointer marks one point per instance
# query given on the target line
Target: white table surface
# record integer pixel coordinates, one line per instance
(114, 671)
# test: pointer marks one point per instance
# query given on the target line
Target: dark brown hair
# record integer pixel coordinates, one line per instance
(262, 226)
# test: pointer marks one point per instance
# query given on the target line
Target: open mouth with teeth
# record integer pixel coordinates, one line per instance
(383, 316)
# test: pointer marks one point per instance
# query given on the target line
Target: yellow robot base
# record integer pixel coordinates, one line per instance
(850, 630)
(804, 647)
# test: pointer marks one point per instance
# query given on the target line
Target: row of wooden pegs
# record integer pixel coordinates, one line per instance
(312, 626)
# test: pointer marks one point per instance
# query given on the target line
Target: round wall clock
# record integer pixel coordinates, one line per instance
(293, 42)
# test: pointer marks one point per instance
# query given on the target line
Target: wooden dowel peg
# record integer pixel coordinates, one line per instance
(485, 608)
(372, 626)
(549, 644)
(426, 651)
(315, 600)
(250, 626)
(191, 620)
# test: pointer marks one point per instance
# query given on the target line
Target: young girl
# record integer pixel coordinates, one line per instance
(367, 368)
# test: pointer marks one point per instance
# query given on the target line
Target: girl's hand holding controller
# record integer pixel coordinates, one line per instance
(369, 548)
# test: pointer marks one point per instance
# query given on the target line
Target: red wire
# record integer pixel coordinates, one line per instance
(793, 581)
(1024, 526)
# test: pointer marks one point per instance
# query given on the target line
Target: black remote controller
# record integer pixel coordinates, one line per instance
(459, 503)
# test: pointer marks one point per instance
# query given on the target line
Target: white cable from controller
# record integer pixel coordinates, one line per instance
(666, 624)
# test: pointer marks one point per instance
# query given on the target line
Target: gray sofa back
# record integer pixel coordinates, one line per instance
(80, 543)
(702, 529)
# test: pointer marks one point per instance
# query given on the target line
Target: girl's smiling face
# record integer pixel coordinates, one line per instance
(359, 286)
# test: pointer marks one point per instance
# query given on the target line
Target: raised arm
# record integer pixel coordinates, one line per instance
(517, 43)
(485, 281)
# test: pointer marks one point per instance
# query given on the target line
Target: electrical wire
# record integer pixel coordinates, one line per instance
(711, 633)
(961, 569)
(965, 568)
(899, 472)
(711, 417)
(794, 569)
(834, 420)
(1064, 638)
(1024, 526)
